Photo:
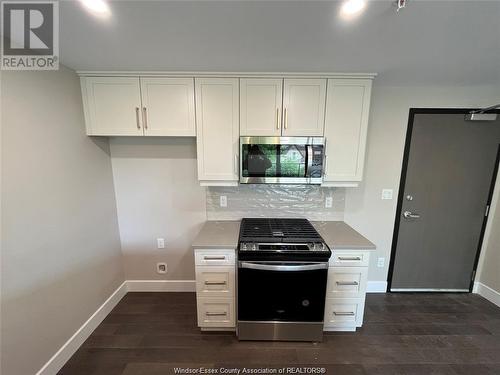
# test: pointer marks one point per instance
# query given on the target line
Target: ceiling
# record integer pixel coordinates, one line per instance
(428, 42)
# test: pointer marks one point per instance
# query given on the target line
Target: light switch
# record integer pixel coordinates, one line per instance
(380, 262)
(386, 194)
(328, 202)
(160, 243)
(223, 201)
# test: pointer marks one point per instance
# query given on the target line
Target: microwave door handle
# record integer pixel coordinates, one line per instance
(309, 161)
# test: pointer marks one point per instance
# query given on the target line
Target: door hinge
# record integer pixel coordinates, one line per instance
(473, 275)
(487, 210)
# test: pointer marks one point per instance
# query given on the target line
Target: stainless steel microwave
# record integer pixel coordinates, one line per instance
(281, 160)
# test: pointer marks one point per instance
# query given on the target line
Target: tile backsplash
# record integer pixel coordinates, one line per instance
(306, 201)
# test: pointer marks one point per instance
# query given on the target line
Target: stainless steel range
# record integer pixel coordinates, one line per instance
(282, 275)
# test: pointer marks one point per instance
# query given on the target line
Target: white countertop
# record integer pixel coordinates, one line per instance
(224, 235)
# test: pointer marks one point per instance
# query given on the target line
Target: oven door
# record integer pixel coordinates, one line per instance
(292, 160)
(281, 291)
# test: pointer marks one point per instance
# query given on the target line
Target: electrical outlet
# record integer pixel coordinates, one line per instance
(161, 267)
(328, 202)
(160, 243)
(387, 194)
(223, 201)
(380, 262)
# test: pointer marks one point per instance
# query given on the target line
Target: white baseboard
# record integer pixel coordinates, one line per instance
(485, 291)
(71, 346)
(161, 285)
(376, 287)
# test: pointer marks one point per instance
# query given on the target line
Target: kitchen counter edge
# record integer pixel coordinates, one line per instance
(224, 235)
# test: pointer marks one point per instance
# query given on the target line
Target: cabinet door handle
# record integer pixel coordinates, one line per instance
(215, 313)
(215, 258)
(236, 159)
(278, 118)
(349, 258)
(286, 118)
(350, 313)
(137, 117)
(347, 283)
(144, 118)
(215, 283)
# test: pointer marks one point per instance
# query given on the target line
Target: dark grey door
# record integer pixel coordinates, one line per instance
(451, 163)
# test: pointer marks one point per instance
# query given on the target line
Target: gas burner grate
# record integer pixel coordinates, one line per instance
(278, 230)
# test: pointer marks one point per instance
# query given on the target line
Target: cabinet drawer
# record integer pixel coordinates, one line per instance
(214, 257)
(344, 312)
(216, 312)
(350, 258)
(215, 281)
(346, 282)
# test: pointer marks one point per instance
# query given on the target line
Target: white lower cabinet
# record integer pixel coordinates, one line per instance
(215, 288)
(214, 281)
(346, 313)
(216, 312)
(346, 282)
(346, 290)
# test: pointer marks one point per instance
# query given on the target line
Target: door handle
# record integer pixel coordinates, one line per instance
(354, 283)
(281, 267)
(137, 118)
(215, 283)
(278, 119)
(144, 118)
(341, 313)
(410, 215)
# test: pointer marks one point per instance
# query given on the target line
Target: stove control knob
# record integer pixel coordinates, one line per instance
(244, 246)
(254, 247)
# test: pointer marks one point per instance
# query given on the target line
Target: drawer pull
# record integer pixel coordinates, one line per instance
(215, 258)
(343, 313)
(215, 313)
(215, 283)
(347, 283)
(349, 258)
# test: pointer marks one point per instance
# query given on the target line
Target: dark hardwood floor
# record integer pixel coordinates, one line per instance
(153, 333)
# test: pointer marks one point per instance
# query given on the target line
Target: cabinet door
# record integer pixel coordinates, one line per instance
(346, 125)
(304, 107)
(112, 105)
(217, 130)
(168, 106)
(260, 106)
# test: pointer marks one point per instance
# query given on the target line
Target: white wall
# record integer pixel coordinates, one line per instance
(60, 243)
(364, 209)
(488, 271)
(157, 195)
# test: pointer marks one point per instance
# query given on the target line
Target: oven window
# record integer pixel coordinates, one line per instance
(281, 295)
(266, 160)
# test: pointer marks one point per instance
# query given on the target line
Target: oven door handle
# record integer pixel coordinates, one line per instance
(282, 267)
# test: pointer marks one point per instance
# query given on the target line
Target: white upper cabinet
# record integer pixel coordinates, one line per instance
(260, 106)
(304, 107)
(168, 106)
(217, 130)
(346, 125)
(112, 105)
(152, 106)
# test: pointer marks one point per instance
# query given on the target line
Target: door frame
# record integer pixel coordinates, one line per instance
(402, 183)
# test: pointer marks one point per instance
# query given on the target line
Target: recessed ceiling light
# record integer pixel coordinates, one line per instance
(99, 8)
(351, 8)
